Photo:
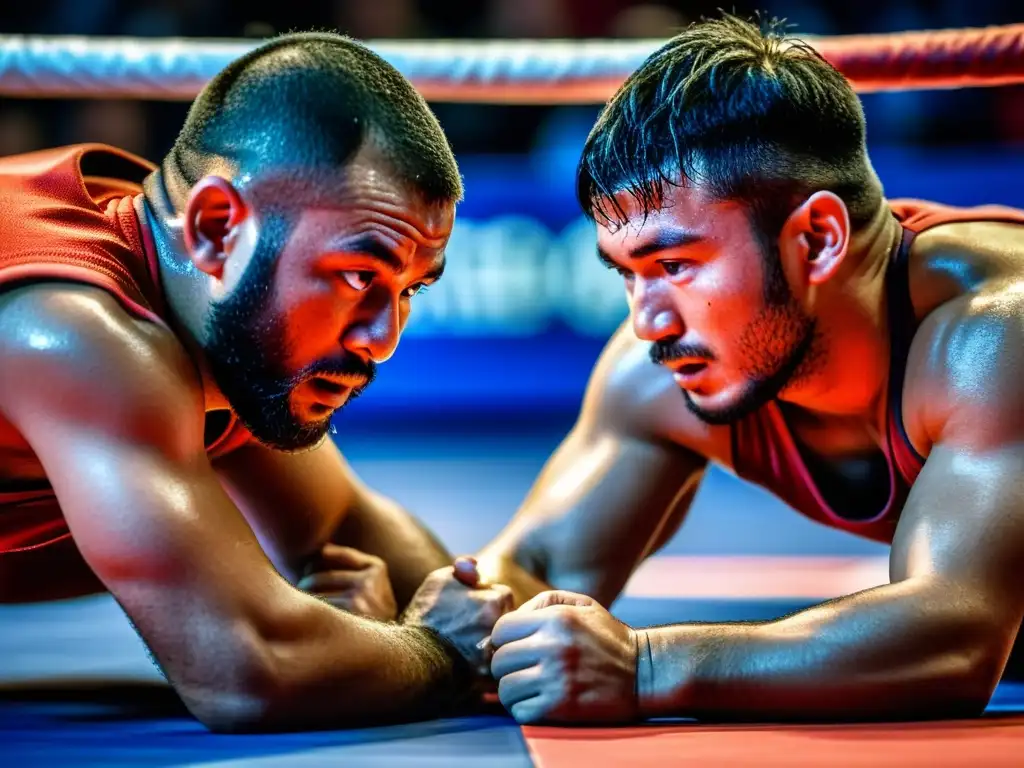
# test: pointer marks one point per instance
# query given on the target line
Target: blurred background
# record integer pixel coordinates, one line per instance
(490, 374)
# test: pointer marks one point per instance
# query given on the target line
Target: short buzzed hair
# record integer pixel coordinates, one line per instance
(312, 100)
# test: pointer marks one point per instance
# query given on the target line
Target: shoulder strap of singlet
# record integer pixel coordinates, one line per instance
(902, 327)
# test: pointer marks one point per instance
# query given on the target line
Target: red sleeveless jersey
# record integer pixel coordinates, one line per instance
(764, 450)
(73, 214)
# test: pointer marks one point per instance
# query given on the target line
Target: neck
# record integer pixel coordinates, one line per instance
(849, 362)
(182, 283)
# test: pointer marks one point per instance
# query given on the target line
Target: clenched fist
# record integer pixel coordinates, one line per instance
(561, 657)
(453, 603)
(351, 580)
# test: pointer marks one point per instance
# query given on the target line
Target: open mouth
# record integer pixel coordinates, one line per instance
(339, 385)
(691, 369)
(327, 394)
(328, 386)
(320, 410)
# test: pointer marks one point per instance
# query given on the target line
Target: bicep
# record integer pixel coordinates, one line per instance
(114, 414)
(963, 523)
(166, 541)
(963, 526)
(158, 531)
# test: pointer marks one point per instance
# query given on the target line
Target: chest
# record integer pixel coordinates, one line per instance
(855, 487)
(847, 464)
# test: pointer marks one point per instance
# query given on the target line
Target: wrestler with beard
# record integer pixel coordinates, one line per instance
(174, 342)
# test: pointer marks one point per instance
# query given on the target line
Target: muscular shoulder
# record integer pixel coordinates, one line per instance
(76, 352)
(953, 260)
(965, 371)
(633, 397)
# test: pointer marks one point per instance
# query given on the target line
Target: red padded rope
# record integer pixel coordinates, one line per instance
(951, 58)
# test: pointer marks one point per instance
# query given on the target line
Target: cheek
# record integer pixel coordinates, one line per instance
(720, 310)
(315, 321)
(724, 303)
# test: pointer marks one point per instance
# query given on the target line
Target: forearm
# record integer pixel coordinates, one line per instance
(497, 567)
(379, 526)
(317, 667)
(891, 652)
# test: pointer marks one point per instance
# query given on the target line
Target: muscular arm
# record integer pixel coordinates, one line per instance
(113, 410)
(614, 491)
(934, 641)
(298, 502)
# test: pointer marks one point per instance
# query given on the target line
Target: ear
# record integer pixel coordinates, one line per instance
(213, 213)
(818, 234)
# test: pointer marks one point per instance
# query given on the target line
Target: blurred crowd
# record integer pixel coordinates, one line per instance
(964, 116)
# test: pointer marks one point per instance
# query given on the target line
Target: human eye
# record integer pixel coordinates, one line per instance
(358, 280)
(414, 290)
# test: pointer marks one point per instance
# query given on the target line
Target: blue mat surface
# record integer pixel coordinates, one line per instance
(76, 687)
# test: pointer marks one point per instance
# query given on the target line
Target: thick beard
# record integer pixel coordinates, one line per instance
(246, 349)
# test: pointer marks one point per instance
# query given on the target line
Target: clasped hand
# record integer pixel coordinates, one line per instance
(351, 580)
(561, 657)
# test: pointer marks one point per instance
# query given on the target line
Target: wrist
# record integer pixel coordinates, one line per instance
(644, 674)
(666, 670)
(450, 685)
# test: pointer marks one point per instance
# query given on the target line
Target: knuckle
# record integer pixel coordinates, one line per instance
(503, 690)
(499, 599)
(498, 663)
(440, 576)
(525, 714)
(563, 690)
(565, 618)
(492, 610)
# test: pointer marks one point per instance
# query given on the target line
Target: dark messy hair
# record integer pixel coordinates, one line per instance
(740, 109)
(311, 100)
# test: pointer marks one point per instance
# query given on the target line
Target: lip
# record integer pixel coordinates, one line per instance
(688, 372)
(334, 391)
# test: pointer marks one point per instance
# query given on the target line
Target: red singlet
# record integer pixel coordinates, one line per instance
(764, 451)
(72, 214)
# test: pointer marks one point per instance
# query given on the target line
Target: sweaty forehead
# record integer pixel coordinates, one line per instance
(360, 192)
(681, 208)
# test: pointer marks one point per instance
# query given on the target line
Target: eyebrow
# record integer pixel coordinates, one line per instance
(378, 250)
(604, 258)
(663, 240)
(436, 272)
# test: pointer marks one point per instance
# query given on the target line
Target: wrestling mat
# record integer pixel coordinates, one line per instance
(76, 688)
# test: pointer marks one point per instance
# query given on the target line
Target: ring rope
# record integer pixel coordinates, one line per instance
(492, 72)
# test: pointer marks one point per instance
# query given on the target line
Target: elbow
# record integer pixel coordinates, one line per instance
(962, 702)
(979, 684)
(238, 709)
(233, 712)
(964, 689)
(251, 698)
